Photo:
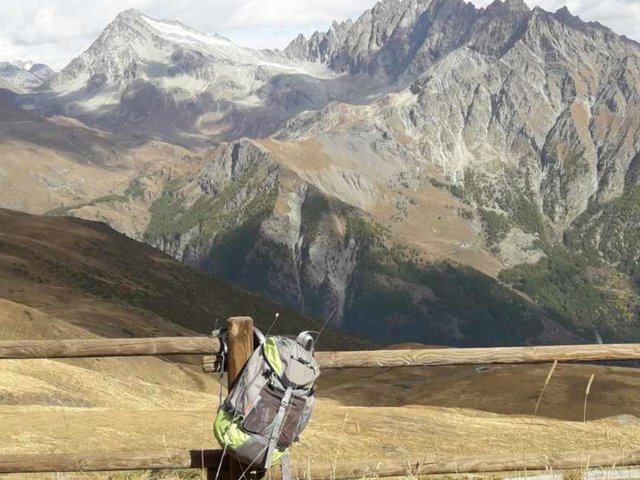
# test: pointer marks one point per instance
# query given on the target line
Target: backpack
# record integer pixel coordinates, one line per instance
(270, 403)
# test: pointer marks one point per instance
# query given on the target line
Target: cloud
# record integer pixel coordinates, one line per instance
(54, 31)
(286, 13)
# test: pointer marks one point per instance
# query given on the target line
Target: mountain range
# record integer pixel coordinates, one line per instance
(431, 171)
(25, 75)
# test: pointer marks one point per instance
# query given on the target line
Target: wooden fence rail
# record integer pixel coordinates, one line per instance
(108, 347)
(112, 461)
(477, 356)
(123, 347)
(210, 459)
(473, 464)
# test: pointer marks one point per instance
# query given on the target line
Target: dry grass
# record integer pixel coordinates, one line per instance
(546, 382)
(586, 396)
(47, 162)
(502, 389)
(406, 413)
(144, 475)
(336, 433)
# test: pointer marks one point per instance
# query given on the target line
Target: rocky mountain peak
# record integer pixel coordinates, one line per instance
(508, 11)
(384, 7)
(401, 39)
(25, 74)
(564, 12)
(511, 5)
(109, 56)
(129, 13)
(564, 16)
(130, 19)
(133, 42)
(41, 69)
(129, 16)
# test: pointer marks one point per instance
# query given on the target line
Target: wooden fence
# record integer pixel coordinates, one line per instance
(210, 459)
(131, 347)
(240, 343)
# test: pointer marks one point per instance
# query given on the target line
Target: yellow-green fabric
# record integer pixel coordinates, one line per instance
(229, 433)
(272, 355)
(276, 459)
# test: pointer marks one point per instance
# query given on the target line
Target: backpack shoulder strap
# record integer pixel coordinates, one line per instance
(277, 426)
(286, 466)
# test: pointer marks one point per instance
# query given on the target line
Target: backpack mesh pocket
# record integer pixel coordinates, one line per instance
(293, 422)
(260, 420)
(265, 409)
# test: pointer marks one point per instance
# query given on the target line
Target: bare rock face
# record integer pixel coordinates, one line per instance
(542, 99)
(392, 38)
(235, 162)
(238, 218)
(321, 46)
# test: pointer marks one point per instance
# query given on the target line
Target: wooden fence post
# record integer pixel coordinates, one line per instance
(240, 343)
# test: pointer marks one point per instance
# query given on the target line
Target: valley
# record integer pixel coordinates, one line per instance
(255, 166)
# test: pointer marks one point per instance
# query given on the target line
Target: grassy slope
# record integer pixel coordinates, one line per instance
(67, 257)
(398, 296)
(592, 281)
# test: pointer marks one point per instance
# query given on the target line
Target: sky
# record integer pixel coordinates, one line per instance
(55, 31)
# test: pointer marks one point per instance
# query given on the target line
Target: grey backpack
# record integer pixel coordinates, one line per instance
(270, 403)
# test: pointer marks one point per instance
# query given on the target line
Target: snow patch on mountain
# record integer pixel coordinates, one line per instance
(182, 34)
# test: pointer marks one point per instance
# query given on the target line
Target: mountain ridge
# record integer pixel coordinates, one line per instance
(389, 154)
(26, 75)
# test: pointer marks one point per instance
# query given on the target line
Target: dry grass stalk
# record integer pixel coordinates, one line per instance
(573, 475)
(586, 396)
(549, 375)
